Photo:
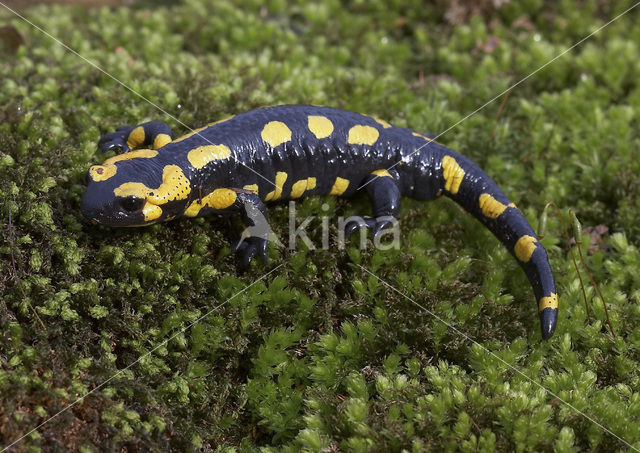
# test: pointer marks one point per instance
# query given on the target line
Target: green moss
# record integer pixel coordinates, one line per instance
(321, 355)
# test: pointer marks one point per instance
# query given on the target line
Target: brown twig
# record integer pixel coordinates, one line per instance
(604, 304)
(502, 104)
(558, 213)
(584, 266)
(475, 424)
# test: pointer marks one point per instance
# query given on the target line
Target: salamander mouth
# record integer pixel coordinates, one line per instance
(111, 217)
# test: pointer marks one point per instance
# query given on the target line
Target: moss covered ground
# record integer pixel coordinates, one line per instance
(320, 354)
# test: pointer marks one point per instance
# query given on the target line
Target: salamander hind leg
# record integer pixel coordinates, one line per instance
(154, 134)
(384, 194)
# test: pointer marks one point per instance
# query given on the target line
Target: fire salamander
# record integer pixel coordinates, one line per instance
(231, 166)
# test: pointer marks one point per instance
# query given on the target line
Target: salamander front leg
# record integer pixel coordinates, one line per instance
(154, 134)
(385, 200)
(253, 241)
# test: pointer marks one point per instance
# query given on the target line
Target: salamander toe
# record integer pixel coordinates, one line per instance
(374, 224)
(250, 247)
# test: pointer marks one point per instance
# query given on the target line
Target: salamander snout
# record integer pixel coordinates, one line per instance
(89, 210)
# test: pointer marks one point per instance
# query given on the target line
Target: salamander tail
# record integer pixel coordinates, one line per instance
(470, 187)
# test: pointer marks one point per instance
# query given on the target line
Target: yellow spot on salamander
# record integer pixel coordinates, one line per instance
(453, 174)
(512, 205)
(339, 186)
(222, 198)
(151, 211)
(174, 186)
(202, 155)
(525, 247)
(426, 138)
(491, 207)
(281, 178)
(136, 189)
(136, 137)
(362, 135)
(138, 153)
(218, 199)
(320, 126)
(276, 133)
(383, 123)
(194, 208)
(300, 187)
(548, 302)
(251, 187)
(382, 173)
(200, 129)
(161, 140)
(102, 172)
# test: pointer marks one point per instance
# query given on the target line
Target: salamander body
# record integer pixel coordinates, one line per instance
(292, 151)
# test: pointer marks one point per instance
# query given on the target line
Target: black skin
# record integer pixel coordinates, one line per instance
(355, 148)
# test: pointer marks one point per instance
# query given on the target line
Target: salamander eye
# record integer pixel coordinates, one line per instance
(131, 203)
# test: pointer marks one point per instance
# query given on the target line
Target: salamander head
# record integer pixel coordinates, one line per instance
(133, 189)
